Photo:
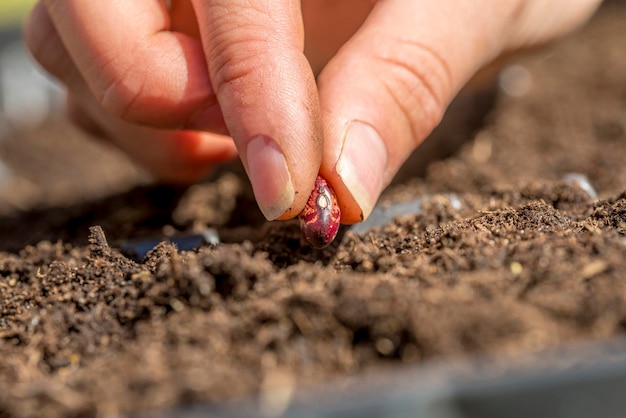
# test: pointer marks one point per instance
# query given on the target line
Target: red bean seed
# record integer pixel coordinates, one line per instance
(320, 218)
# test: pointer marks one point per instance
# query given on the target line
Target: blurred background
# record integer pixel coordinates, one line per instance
(27, 96)
(44, 160)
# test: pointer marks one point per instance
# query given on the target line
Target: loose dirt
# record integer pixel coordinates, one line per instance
(529, 261)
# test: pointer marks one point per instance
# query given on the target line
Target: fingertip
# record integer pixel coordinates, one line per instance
(177, 157)
(358, 176)
(270, 177)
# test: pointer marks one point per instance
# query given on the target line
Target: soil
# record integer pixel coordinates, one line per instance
(527, 262)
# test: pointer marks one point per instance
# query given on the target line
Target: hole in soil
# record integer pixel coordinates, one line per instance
(361, 336)
(223, 285)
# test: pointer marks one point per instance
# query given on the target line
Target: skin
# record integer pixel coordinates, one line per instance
(345, 88)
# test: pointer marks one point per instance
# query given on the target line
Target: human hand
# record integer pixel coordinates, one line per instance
(167, 85)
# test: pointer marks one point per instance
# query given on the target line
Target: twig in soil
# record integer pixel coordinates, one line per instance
(98, 245)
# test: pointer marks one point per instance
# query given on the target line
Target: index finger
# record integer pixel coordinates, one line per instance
(267, 94)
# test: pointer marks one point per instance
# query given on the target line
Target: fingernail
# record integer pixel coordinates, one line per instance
(361, 165)
(269, 175)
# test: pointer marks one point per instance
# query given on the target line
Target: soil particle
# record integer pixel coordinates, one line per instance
(528, 261)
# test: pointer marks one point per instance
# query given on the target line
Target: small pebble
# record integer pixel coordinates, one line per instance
(516, 268)
(580, 180)
(515, 80)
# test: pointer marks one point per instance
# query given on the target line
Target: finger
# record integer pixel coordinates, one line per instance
(135, 67)
(267, 94)
(48, 49)
(180, 156)
(386, 90)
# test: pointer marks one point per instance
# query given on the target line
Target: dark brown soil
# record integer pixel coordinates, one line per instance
(529, 262)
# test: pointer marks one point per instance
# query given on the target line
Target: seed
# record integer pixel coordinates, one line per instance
(319, 220)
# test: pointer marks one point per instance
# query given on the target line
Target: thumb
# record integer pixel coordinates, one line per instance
(267, 94)
(388, 88)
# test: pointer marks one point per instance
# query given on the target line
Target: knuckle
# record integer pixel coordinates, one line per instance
(118, 99)
(116, 86)
(237, 62)
(240, 46)
(419, 81)
(136, 96)
(234, 66)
